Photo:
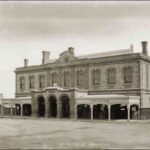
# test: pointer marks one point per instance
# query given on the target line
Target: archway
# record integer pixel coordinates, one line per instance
(65, 106)
(118, 111)
(27, 109)
(84, 111)
(52, 106)
(41, 106)
(100, 111)
(134, 111)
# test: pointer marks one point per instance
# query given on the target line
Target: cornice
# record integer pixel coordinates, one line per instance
(80, 62)
(121, 90)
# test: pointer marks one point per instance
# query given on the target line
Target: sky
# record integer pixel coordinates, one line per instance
(29, 27)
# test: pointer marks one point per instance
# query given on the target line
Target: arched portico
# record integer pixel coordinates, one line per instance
(107, 106)
(65, 106)
(41, 106)
(52, 106)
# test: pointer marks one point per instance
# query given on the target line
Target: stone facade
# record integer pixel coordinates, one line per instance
(123, 72)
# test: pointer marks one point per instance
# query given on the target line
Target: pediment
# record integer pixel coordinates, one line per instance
(66, 57)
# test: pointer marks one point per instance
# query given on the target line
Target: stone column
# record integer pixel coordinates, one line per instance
(128, 108)
(138, 111)
(109, 112)
(72, 110)
(75, 112)
(50, 113)
(91, 106)
(11, 110)
(34, 109)
(15, 110)
(46, 109)
(58, 109)
(21, 108)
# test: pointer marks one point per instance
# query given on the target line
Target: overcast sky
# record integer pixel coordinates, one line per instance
(27, 28)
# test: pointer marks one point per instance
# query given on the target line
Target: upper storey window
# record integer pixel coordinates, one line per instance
(128, 71)
(96, 77)
(66, 79)
(31, 82)
(54, 78)
(111, 76)
(80, 78)
(22, 83)
(41, 81)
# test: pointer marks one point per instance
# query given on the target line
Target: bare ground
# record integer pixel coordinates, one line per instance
(70, 134)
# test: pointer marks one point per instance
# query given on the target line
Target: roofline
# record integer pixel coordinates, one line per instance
(51, 65)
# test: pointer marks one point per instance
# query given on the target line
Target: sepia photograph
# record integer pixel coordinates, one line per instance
(74, 75)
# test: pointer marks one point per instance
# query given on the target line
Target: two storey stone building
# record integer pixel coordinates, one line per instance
(113, 85)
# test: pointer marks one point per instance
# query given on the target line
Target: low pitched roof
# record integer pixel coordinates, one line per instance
(108, 53)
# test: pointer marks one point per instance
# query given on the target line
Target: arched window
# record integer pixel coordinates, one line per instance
(31, 82)
(80, 78)
(96, 77)
(111, 76)
(22, 83)
(128, 71)
(41, 81)
(66, 79)
(54, 78)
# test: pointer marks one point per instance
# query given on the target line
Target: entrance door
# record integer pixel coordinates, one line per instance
(53, 106)
(41, 106)
(65, 107)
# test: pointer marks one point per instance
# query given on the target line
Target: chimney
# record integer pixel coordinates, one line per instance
(25, 62)
(131, 47)
(144, 48)
(46, 55)
(71, 50)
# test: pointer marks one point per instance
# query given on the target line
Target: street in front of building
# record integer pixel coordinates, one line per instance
(33, 133)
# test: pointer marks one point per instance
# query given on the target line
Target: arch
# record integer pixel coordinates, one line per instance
(52, 106)
(41, 106)
(134, 111)
(27, 109)
(119, 111)
(65, 106)
(84, 111)
(100, 111)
